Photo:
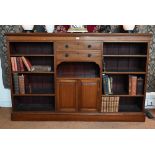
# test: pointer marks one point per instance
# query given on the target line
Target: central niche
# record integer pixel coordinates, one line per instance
(78, 70)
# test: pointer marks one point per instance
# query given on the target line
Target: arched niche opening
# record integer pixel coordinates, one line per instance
(78, 69)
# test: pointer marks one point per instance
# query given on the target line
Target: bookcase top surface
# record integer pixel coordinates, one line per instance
(106, 37)
(78, 34)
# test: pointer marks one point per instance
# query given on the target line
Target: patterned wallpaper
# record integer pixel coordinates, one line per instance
(113, 28)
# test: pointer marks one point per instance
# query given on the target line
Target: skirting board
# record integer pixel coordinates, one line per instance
(5, 103)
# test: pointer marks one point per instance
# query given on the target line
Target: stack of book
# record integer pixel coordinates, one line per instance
(136, 85)
(18, 64)
(19, 83)
(110, 104)
(107, 83)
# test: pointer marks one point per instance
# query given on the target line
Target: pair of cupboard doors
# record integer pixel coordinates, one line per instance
(78, 95)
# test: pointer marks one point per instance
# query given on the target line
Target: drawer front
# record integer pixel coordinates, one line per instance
(78, 55)
(66, 46)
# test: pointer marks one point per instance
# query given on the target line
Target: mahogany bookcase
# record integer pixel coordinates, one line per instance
(72, 90)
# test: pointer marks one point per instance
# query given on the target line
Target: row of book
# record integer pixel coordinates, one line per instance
(136, 85)
(19, 64)
(110, 104)
(19, 83)
(107, 83)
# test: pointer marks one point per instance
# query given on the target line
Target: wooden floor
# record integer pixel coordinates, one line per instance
(6, 123)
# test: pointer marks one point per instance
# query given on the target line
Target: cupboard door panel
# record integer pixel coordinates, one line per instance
(89, 95)
(67, 95)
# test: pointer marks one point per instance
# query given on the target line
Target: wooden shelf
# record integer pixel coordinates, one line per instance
(124, 73)
(128, 56)
(18, 95)
(123, 95)
(34, 72)
(32, 55)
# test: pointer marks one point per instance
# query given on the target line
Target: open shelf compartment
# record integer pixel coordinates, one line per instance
(78, 69)
(34, 48)
(125, 48)
(34, 103)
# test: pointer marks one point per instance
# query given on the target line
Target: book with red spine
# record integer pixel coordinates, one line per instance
(15, 63)
(18, 64)
(12, 64)
(130, 84)
(21, 64)
(27, 63)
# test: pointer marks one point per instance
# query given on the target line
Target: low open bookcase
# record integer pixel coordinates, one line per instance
(83, 77)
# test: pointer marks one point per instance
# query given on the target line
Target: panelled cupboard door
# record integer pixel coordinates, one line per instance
(89, 95)
(67, 95)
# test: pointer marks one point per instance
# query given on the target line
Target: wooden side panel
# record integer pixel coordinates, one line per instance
(67, 95)
(89, 95)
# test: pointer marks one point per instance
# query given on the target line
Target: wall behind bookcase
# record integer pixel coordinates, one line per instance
(17, 28)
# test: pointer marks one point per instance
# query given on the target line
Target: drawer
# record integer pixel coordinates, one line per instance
(78, 55)
(66, 46)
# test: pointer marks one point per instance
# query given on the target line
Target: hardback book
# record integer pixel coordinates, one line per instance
(18, 63)
(39, 68)
(12, 64)
(105, 84)
(102, 105)
(117, 103)
(111, 84)
(140, 86)
(133, 85)
(27, 63)
(130, 84)
(21, 84)
(21, 64)
(112, 102)
(107, 104)
(15, 62)
(16, 83)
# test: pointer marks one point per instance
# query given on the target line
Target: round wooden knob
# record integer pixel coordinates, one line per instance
(89, 46)
(89, 55)
(66, 46)
(66, 55)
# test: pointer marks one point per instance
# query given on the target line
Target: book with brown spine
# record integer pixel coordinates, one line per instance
(18, 63)
(105, 104)
(21, 84)
(130, 84)
(112, 102)
(102, 105)
(21, 64)
(133, 85)
(107, 101)
(117, 104)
